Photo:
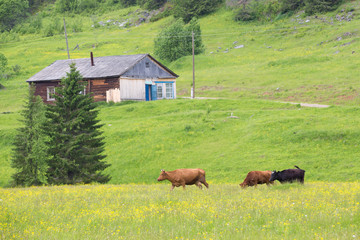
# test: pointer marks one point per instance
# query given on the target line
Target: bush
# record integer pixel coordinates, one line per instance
(175, 41)
(53, 28)
(161, 15)
(9, 37)
(244, 14)
(12, 12)
(151, 4)
(188, 9)
(320, 6)
(126, 3)
(3, 63)
(170, 44)
(291, 5)
(76, 6)
(258, 10)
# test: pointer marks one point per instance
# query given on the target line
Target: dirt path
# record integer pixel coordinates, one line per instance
(313, 105)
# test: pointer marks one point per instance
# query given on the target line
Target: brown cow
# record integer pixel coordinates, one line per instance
(254, 178)
(182, 177)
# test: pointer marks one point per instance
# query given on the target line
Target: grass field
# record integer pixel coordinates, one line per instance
(144, 137)
(317, 210)
(285, 60)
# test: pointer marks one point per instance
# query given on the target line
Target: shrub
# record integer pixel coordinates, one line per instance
(9, 37)
(175, 41)
(291, 5)
(151, 4)
(319, 6)
(3, 63)
(12, 12)
(170, 44)
(188, 9)
(53, 28)
(126, 3)
(258, 10)
(244, 14)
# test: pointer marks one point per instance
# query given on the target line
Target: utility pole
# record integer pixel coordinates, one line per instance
(67, 45)
(193, 55)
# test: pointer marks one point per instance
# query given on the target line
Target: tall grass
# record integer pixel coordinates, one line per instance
(313, 211)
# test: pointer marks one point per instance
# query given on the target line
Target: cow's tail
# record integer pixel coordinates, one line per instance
(299, 168)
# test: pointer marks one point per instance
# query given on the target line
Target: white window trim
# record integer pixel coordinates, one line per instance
(163, 86)
(157, 91)
(48, 92)
(171, 92)
(83, 92)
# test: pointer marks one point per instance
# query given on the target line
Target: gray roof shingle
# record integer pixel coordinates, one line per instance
(109, 66)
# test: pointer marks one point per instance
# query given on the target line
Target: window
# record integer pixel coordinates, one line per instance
(169, 90)
(147, 64)
(159, 91)
(83, 92)
(50, 93)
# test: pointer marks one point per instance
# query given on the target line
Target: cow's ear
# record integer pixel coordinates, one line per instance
(162, 170)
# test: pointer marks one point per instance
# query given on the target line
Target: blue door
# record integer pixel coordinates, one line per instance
(150, 92)
(153, 92)
(147, 92)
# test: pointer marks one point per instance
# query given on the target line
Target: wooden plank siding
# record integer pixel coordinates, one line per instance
(41, 89)
(98, 87)
(131, 75)
(132, 89)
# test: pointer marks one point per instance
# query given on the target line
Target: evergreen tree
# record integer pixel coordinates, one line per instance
(30, 151)
(75, 143)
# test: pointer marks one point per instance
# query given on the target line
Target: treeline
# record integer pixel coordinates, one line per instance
(249, 10)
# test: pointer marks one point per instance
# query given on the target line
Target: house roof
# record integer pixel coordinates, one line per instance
(104, 67)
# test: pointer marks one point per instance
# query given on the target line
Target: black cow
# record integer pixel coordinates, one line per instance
(288, 175)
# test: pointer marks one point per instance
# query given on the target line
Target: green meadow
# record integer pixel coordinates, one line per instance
(249, 124)
(224, 211)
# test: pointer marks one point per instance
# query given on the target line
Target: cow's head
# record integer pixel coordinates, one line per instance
(243, 185)
(274, 176)
(162, 176)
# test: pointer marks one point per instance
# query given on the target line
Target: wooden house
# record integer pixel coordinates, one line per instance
(112, 78)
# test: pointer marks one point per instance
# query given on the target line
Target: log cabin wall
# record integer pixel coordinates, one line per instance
(98, 87)
(41, 89)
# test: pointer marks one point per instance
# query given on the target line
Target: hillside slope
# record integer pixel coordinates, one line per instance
(312, 59)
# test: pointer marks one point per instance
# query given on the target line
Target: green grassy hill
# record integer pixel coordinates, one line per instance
(297, 59)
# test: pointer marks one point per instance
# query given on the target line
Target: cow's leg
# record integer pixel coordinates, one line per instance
(203, 181)
(183, 184)
(172, 187)
(198, 184)
(302, 180)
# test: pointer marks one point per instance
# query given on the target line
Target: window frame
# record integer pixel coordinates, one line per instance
(50, 90)
(167, 90)
(171, 92)
(157, 91)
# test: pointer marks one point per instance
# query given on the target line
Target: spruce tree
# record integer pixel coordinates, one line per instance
(75, 146)
(30, 151)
